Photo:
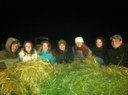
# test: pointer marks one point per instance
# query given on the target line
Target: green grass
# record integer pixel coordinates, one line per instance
(78, 78)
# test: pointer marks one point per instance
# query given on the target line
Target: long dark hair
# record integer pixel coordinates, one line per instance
(32, 51)
(102, 39)
(49, 47)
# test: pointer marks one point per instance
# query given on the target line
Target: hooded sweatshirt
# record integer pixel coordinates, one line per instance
(7, 53)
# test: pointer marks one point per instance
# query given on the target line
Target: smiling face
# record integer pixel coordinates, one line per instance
(45, 46)
(62, 47)
(99, 43)
(14, 47)
(79, 44)
(28, 47)
(116, 43)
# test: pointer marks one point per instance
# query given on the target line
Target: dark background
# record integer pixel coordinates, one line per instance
(65, 21)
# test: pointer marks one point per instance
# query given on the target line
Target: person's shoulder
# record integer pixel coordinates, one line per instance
(3, 54)
(35, 51)
(93, 48)
(109, 49)
(55, 50)
(73, 47)
(21, 51)
(125, 45)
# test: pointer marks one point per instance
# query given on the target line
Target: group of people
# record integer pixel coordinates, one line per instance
(117, 55)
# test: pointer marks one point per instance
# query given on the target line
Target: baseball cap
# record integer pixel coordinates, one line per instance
(116, 36)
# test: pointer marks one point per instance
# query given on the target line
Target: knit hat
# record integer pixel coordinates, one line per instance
(79, 39)
(116, 36)
(62, 42)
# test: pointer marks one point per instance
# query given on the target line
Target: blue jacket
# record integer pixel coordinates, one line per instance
(46, 56)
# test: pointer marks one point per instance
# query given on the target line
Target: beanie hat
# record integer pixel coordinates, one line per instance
(62, 42)
(116, 36)
(79, 39)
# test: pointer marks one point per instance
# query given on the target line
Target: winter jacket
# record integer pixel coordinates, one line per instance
(78, 53)
(117, 56)
(7, 52)
(63, 56)
(46, 56)
(99, 53)
(6, 56)
(26, 57)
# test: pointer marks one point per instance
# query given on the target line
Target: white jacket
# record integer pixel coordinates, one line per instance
(26, 57)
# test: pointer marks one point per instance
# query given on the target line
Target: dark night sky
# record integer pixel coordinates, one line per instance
(65, 21)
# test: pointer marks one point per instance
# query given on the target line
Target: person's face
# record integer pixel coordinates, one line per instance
(116, 43)
(28, 47)
(45, 46)
(99, 43)
(14, 48)
(79, 44)
(62, 47)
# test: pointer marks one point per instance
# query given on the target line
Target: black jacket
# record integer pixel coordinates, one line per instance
(117, 56)
(99, 52)
(63, 56)
(7, 53)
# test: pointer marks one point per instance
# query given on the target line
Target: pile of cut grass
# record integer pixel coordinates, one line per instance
(87, 79)
(78, 78)
(24, 79)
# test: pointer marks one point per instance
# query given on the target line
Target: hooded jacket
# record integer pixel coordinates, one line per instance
(7, 53)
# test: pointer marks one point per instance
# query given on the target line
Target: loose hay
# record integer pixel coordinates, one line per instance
(78, 78)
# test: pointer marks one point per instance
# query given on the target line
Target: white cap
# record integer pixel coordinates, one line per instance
(79, 39)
